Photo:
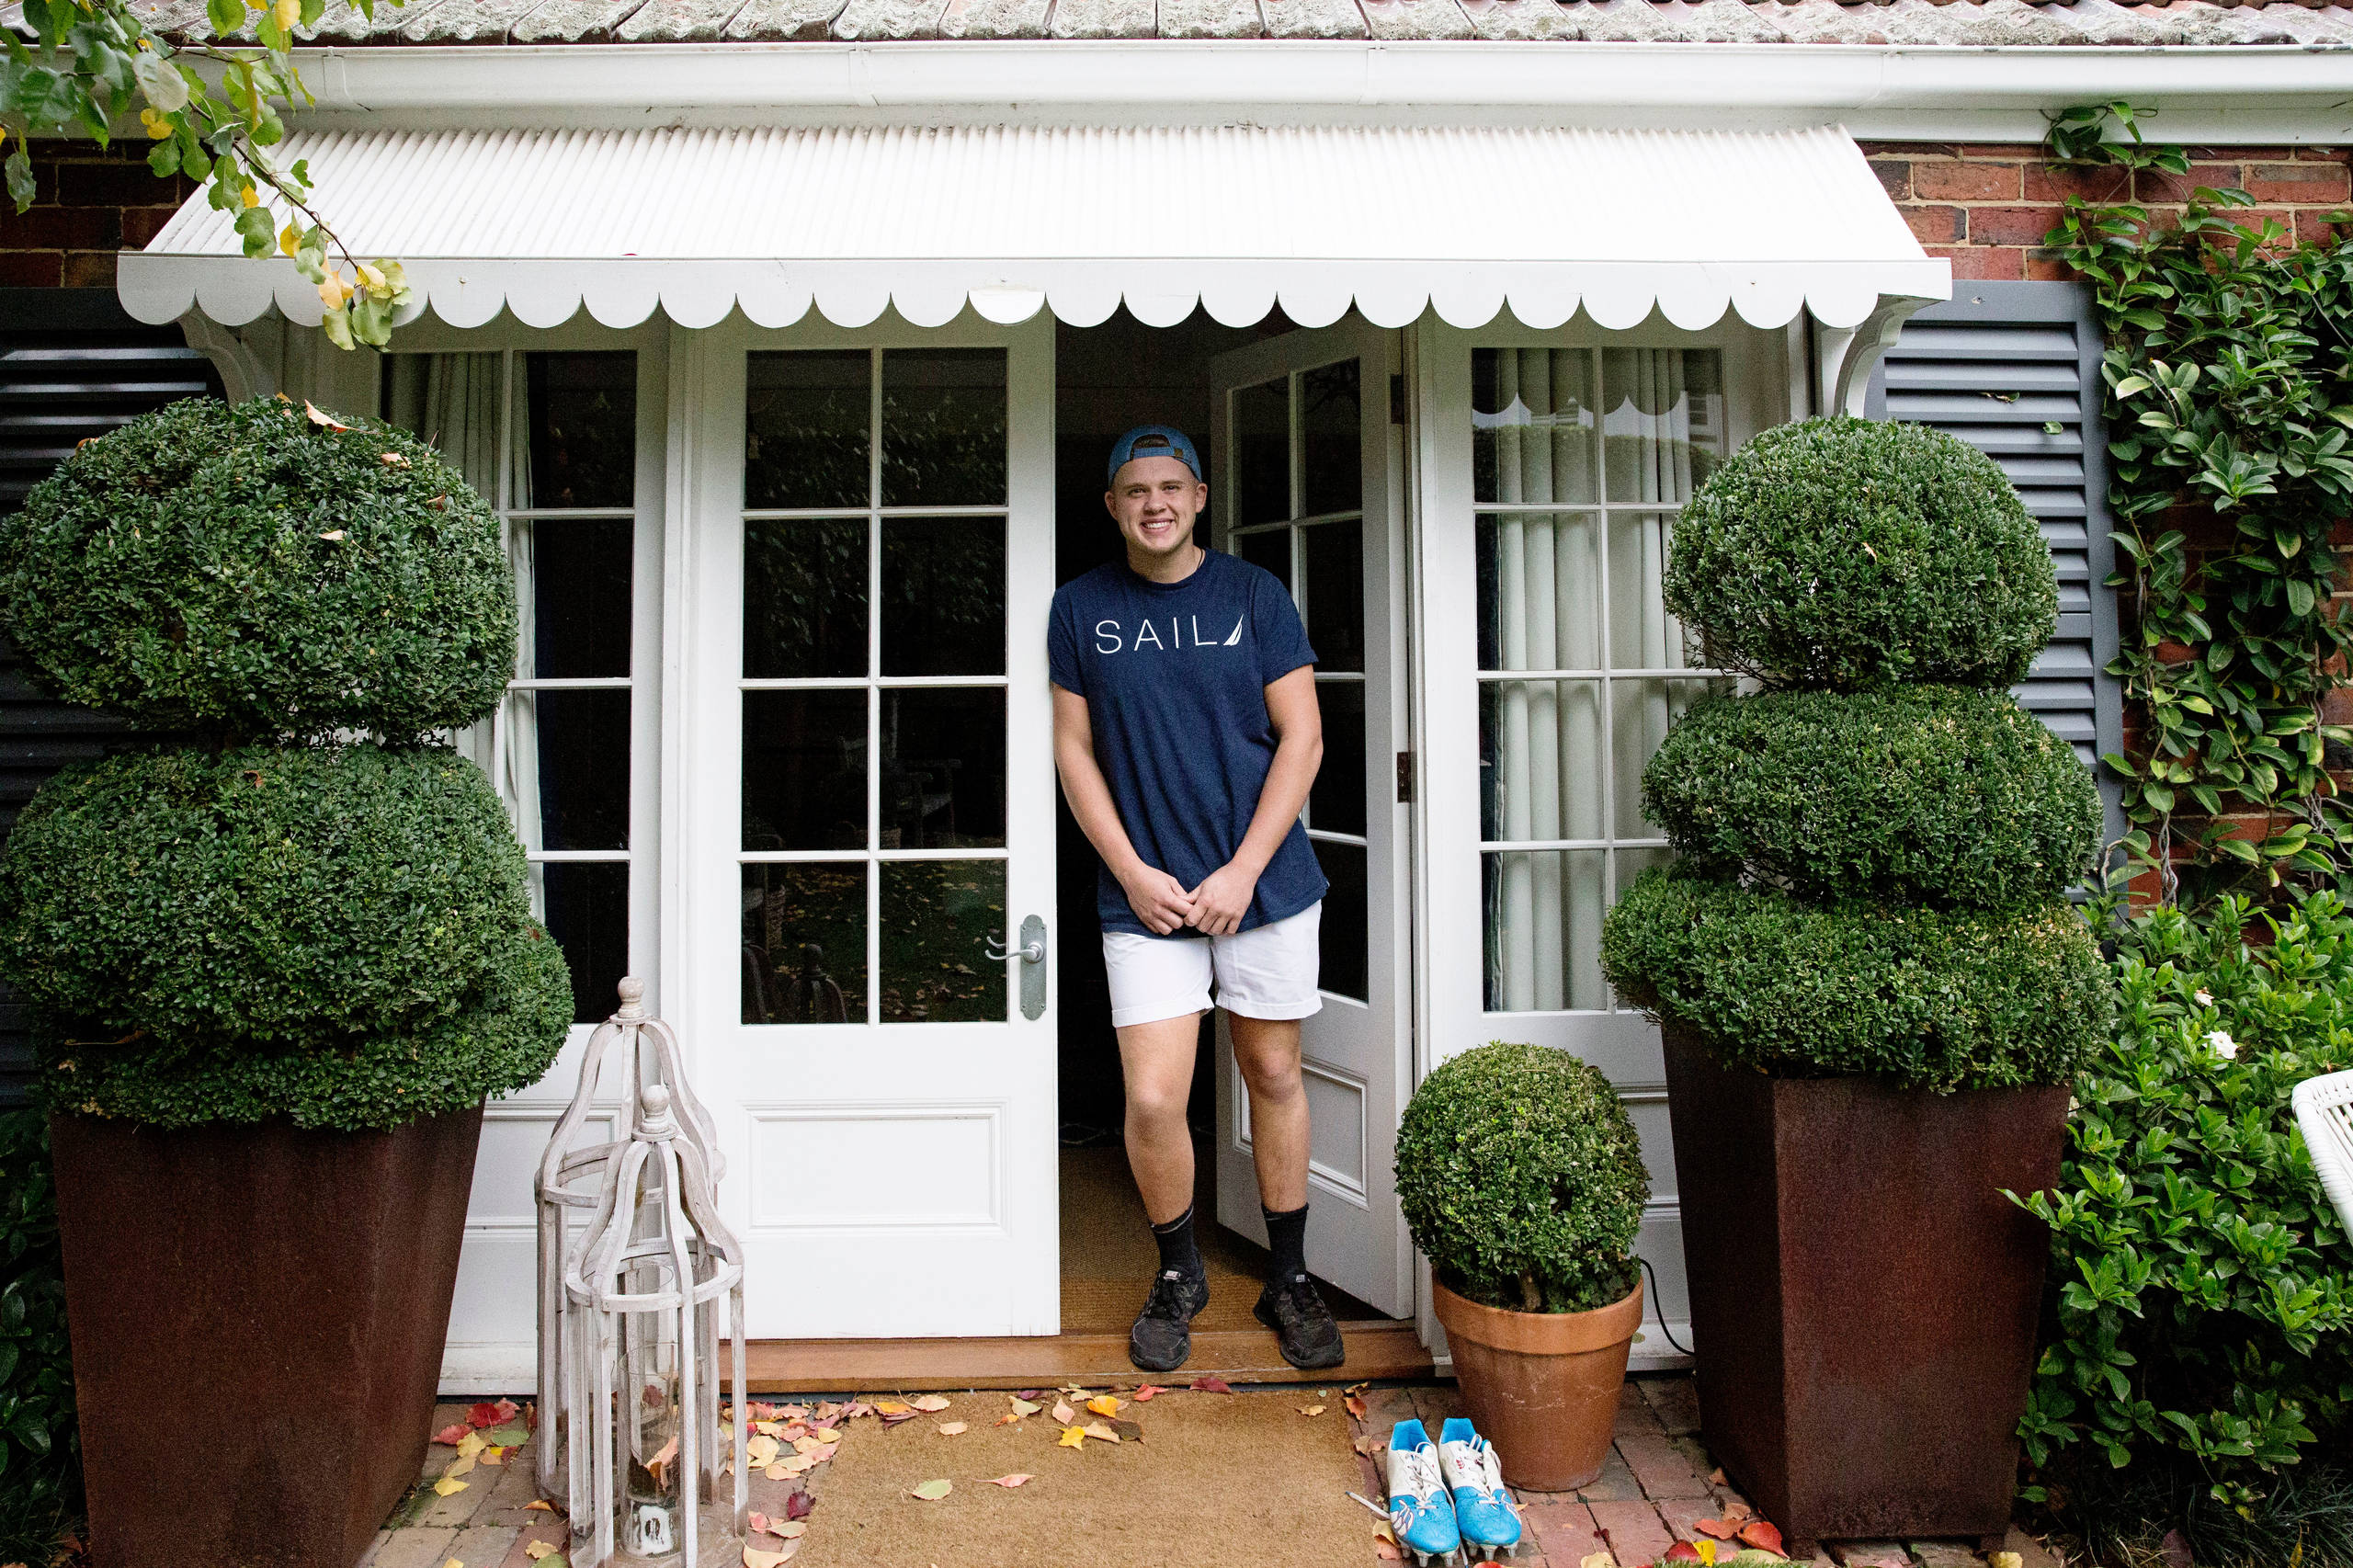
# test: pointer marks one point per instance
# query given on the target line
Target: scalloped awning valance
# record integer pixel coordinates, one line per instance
(851, 221)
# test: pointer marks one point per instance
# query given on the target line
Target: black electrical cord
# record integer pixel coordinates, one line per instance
(1652, 1274)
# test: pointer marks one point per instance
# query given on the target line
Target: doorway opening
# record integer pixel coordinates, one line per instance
(1108, 380)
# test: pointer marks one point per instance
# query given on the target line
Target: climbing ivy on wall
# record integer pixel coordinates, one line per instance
(2229, 400)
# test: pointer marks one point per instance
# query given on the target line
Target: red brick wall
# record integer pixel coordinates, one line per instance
(1986, 206)
(88, 204)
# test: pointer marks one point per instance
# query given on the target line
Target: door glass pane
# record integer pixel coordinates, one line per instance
(1331, 436)
(1532, 425)
(938, 919)
(1543, 929)
(573, 576)
(1335, 800)
(1335, 594)
(1642, 636)
(943, 768)
(1271, 549)
(1540, 591)
(804, 944)
(807, 428)
(943, 597)
(585, 907)
(580, 414)
(580, 740)
(1262, 453)
(1342, 930)
(943, 427)
(1540, 759)
(805, 769)
(1641, 713)
(805, 596)
(1665, 423)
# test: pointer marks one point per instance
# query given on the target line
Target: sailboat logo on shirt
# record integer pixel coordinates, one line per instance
(1109, 635)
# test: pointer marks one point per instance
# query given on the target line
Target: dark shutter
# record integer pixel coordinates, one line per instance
(72, 365)
(2012, 368)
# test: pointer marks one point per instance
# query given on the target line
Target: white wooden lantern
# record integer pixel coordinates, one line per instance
(646, 1290)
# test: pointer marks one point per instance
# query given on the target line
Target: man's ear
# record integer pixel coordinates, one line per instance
(1111, 506)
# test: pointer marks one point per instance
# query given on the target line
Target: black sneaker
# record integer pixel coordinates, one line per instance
(1294, 1308)
(1163, 1335)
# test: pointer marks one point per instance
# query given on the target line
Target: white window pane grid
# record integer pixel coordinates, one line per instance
(1583, 669)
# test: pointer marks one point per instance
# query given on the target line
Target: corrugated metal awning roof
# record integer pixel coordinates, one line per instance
(1080, 220)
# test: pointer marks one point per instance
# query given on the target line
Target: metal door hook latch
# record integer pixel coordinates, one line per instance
(1032, 954)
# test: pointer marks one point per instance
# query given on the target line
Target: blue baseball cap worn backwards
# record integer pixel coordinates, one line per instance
(1154, 441)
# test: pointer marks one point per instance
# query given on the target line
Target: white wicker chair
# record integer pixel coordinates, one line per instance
(2324, 1111)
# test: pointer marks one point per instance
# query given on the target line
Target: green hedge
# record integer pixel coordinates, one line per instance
(250, 571)
(1847, 553)
(503, 1037)
(41, 1460)
(1920, 998)
(1522, 1179)
(1936, 795)
(273, 896)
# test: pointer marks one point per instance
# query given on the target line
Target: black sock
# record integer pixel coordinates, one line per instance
(1287, 1239)
(1177, 1249)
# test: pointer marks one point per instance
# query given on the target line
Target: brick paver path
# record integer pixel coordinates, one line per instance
(1655, 1484)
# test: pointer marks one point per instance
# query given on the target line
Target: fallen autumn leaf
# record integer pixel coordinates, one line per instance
(1100, 1433)
(1009, 1482)
(1722, 1529)
(1071, 1438)
(931, 1403)
(951, 1428)
(1148, 1391)
(448, 1484)
(1311, 1410)
(1063, 1413)
(1104, 1404)
(1763, 1534)
(1211, 1383)
(933, 1491)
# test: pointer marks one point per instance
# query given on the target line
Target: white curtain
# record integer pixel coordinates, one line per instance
(1576, 590)
(457, 404)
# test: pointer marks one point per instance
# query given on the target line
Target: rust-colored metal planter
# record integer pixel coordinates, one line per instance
(1864, 1300)
(257, 1315)
(1542, 1387)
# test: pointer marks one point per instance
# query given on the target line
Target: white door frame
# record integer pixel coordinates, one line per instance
(1449, 1010)
(969, 1251)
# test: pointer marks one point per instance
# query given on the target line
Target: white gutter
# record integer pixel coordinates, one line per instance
(2240, 93)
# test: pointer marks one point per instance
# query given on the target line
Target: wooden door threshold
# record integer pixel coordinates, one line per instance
(1381, 1350)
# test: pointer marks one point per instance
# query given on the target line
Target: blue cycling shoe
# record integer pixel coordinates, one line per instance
(1420, 1514)
(1485, 1513)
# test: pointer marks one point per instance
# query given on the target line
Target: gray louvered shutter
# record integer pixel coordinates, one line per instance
(2012, 368)
(72, 365)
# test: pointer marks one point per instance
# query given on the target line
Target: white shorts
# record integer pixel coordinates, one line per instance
(1269, 973)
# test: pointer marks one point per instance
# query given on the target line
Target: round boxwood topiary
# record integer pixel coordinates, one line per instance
(1931, 794)
(1926, 999)
(1520, 1175)
(1849, 554)
(502, 1036)
(279, 896)
(254, 571)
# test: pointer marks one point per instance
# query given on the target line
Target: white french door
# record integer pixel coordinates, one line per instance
(1551, 467)
(1309, 486)
(866, 760)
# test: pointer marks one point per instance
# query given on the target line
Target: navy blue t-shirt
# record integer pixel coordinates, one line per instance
(1174, 676)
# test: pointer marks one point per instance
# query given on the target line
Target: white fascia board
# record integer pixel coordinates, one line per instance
(2243, 94)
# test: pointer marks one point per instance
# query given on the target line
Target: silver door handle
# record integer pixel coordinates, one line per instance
(1032, 954)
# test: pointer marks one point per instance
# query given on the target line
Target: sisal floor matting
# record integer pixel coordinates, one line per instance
(1219, 1481)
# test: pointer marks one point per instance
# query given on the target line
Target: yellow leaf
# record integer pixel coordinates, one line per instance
(370, 277)
(460, 1465)
(1024, 1407)
(760, 1451)
(1101, 1433)
(755, 1558)
(889, 1407)
(930, 1403)
(2005, 1560)
(1071, 1438)
(447, 1484)
(253, 193)
(768, 1428)
(1707, 1551)
(453, 1563)
(1104, 1404)
(158, 129)
(1311, 1410)
(950, 1428)
(540, 1505)
(334, 291)
(825, 1434)
(493, 1456)
(933, 1491)
(289, 242)
(1598, 1560)
(289, 13)
(790, 1530)
(535, 1550)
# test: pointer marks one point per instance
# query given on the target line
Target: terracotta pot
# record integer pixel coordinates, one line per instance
(1864, 1300)
(257, 1315)
(1542, 1387)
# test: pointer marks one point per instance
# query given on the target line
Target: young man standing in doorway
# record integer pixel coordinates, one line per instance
(1187, 735)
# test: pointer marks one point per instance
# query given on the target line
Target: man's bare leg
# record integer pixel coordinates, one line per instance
(1266, 1050)
(1157, 1062)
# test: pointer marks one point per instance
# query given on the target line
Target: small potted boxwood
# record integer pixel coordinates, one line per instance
(273, 971)
(1522, 1179)
(1872, 987)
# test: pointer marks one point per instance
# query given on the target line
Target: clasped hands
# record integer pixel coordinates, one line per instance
(1165, 904)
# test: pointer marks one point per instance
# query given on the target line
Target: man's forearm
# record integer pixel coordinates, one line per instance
(1097, 814)
(1297, 759)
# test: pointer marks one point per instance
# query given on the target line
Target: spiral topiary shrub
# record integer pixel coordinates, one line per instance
(1520, 1175)
(1920, 998)
(276, 895)
(1844, 554)
(1935, 795)
(254, 571)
